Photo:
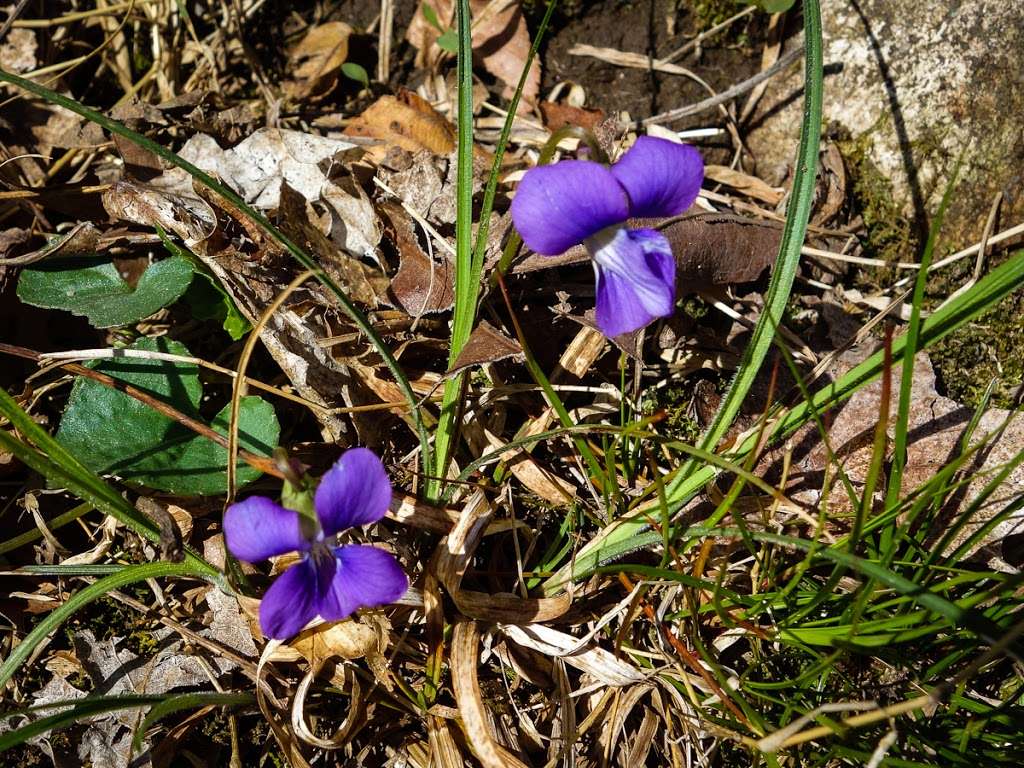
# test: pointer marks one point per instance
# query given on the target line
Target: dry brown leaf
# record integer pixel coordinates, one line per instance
(406, 121)
(187, 215)
(183, 519)
(360, 282)
(421, 286)
(594, 660)
(557, 115)
(744, 182)
(486, 344)
(66, 130)
(465, 651)
(711, 249)
(317, 59)
(501, 41)
(444, 752)
(11, 238)
(18, 52)
(831, 190)
(139, 162)
(347, 639)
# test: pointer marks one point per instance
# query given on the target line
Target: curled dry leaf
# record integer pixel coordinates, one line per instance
(315, 62)
(421, 286)
(406, 121)
(349, 639)
(475, 719)
(501, 40)
(365, 637)
(744, 182)
(594, 660)
(453, 557)
(185, 214)
(486, 344)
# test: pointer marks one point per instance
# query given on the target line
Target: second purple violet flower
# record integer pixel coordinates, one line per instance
(579, 201)
(329, 581)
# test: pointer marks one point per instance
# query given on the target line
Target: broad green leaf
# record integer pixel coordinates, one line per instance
(431, 16)
(354, 71)
(93, 288)
(201, 466)
(449, 41)
(209, 301)
(110, 431)
(206, 296)
(776, 6)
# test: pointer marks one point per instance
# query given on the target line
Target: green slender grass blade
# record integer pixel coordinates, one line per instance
(79, 709)
(182, 701)
(85, 569)
(130, 575)
(629, 534)
(798, 214)
(357, 317)
(465, 290)
(55, 463)
(899, 454)
(466, 303)
(957, 615)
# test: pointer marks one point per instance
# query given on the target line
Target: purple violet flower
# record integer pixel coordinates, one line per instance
(329, 581)
(579, 201)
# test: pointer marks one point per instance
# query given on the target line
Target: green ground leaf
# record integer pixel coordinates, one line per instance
(94, 288)
(448, 41)
(209, 301)
(206, 296)
(354, 71)
(109, 431)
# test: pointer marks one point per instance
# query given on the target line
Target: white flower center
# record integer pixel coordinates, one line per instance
(607, 246)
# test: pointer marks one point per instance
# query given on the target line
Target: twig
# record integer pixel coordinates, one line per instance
(725, 96)
(685, 48)
(13, 15)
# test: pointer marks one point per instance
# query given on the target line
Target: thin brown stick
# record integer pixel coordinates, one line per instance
(727, 95)
(239, 381)
(684, 653)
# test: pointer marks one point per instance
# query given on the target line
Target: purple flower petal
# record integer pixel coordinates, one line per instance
(636, 279)
(558, 206)
(291, 602)
(661, 177)
(365, 578)
(355, 491)
(258, 528)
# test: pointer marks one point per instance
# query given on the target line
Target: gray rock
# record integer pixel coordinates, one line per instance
(916, 83)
